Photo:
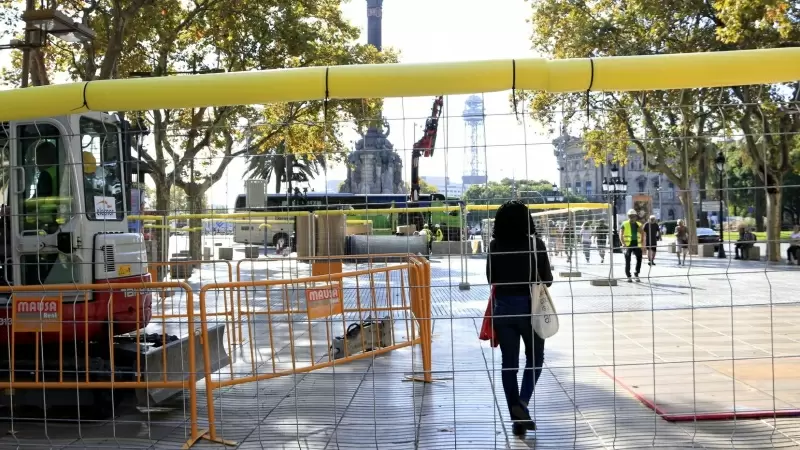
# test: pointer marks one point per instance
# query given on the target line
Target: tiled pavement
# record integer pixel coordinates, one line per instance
(641, 333)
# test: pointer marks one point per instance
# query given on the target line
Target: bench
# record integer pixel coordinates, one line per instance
(707, 250)
(226, 253)
(752, 254)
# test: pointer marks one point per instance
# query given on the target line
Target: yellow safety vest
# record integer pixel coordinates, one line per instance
(46, 208)
(439, 235)
(627, 233)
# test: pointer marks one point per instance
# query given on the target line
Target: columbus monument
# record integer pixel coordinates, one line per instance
(374, 167)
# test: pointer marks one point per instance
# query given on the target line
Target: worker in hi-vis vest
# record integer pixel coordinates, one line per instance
(41, 209)
(426, 231)
(633, 241)
(439, 234)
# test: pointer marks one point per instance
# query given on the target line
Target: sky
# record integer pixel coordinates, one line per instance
(425, 31)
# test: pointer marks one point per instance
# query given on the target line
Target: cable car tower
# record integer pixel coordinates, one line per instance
(475, 150)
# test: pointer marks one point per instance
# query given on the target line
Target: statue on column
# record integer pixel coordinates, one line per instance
(374, 167)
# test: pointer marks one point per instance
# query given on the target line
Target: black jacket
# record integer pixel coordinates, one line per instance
(513, 266)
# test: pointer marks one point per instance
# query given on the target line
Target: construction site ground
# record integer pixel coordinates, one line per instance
(713, 337)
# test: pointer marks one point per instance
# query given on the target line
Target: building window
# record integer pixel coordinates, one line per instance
(569, 187)
(641, 186)
(577, 188)
(671, 214)
(588, 189)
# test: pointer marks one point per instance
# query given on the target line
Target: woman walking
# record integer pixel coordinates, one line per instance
(517, 258)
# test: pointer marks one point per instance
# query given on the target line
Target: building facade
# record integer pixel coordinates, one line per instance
(584, 177)
(445, 186)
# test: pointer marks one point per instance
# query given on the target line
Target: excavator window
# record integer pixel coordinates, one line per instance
(102, 170)
(41, 157)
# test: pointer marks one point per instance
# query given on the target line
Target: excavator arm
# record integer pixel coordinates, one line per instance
(425, 145)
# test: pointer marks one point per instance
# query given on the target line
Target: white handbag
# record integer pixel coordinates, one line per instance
(543, 314)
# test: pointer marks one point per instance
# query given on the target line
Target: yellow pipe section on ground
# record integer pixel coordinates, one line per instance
(622, 73)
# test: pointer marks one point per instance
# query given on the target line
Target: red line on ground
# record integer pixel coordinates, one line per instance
(725, 415)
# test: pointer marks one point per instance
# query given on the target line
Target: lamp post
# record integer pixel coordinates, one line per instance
(614, 187)
(719, 161)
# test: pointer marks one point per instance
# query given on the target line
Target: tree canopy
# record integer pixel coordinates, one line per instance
(191, 149)
(495, 193)
(673, 130)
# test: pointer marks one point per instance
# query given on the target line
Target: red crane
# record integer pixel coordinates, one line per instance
(425, 145)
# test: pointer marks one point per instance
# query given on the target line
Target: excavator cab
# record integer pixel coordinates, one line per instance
(64, 221)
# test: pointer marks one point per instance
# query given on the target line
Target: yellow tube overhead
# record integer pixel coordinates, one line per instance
(624, 73)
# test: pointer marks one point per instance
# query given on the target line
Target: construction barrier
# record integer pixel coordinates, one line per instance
(389, 303)
(54, 344)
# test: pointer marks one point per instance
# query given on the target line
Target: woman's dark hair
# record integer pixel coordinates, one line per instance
(513, 221)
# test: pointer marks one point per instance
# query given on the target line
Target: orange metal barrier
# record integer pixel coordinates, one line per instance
(60, 318)
(324, 303)
(319, 265)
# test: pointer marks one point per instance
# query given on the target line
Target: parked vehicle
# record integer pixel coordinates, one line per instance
(708, 236)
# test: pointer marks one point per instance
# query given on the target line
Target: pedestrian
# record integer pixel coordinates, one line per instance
(586, 239)
(794, 246)
(652, 234)
(558, 238)
(426, 231)
(569, 232)
(517, 258)
(633, 241)
(439, 234)
(601, 238)
(745, 242)
(682, 241)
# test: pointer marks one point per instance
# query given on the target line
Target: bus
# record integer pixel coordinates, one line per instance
(252, 231)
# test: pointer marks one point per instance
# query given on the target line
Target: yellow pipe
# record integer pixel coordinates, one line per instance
(273, 222)
(370, 212)
(621, 73)
(545, 206)
(146, 218)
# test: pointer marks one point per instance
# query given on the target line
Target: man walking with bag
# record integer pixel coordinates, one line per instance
(632, 240)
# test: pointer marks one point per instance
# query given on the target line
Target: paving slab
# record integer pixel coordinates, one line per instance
(692, 337)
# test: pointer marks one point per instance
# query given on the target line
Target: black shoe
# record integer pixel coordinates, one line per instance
(653, 263)
(519, 414)
(519, 429)
(630, 280)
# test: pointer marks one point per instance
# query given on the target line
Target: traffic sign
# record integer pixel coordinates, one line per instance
(711, 205)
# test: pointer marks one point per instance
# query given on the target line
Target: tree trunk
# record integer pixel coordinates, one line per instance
(689, 217)
(703, 183)
(194, 197)
(774, 217)
(162, 234)
(760, 203)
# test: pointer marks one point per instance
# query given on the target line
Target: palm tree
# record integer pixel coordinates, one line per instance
(279, 163)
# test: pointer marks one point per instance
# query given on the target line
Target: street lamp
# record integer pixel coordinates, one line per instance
(719, 161)
(56, 23)
(615, 187)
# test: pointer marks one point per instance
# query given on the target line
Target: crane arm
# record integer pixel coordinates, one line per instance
(425, 145)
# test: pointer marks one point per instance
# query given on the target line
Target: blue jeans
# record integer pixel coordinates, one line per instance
(512, 322)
